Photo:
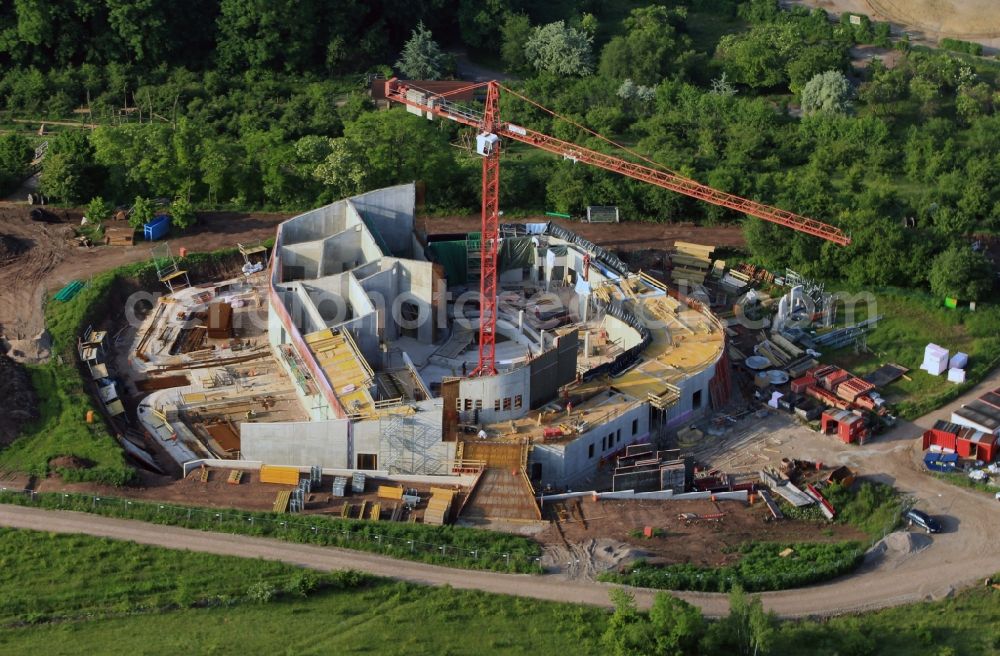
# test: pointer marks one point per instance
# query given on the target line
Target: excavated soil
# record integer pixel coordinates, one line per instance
(11, 248)
(587, 538)
(20, 404)
(70, 462)
(630, 236)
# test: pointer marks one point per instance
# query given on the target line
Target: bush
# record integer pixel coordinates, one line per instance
(453, 546)
(262, 592)
(957, 45)
(759, 569)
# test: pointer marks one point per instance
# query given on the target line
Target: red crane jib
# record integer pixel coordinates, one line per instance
(439, 106)
(488, 121)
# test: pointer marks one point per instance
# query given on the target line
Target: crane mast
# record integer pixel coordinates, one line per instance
(490, 128)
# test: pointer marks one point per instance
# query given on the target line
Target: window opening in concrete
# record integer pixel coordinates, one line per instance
(368, 461)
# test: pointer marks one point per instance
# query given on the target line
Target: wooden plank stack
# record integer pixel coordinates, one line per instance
(438, 506)
(691, 263)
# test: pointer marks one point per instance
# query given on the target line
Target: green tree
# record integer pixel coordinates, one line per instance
(628, 632)
(673, 627)
(68, 171)
(478, 20)
(182, 214)
(385, 148)
(98, 210)
(560, 49)
(649, 49)
(60, 178)
(828, 93)
(813, 60)
(15, 156)
(759, 57)
(515, 33)
(422, 58)
(960, 272)
(746, 631)
(142, 212)
(973, 101)
(677, 626)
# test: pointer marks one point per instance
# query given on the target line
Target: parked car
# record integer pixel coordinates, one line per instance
(919, 518)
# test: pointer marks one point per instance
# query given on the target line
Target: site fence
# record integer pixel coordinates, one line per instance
(443, 545)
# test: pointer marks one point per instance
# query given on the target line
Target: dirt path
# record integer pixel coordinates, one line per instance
(53, 260)
(627, 236)
(960, 557)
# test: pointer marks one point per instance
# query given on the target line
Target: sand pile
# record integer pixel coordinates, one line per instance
(896, 547)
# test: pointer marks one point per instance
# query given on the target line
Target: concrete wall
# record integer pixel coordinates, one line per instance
(344, 251)
(622, 334)
(571, 463)
(315, 224)
(381, 289)
(415, 284)
(684, 410)
(323, 443)
(301, 310)
(306, 255)
(389, 212)
(488, 391)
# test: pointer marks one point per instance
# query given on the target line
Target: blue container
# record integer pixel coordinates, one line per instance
(941, 462)
(157, 228)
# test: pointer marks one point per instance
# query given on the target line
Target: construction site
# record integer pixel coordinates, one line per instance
(369, 365)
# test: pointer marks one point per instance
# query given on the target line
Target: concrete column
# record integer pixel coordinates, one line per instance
(520, 321)
(541, 340)
(586, 344)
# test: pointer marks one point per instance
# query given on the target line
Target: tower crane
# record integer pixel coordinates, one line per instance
(490, 129)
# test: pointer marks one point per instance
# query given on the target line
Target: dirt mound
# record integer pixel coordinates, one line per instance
(896, 547)
(70, 462)
(585, 560)
(20, 404)
(10, 248)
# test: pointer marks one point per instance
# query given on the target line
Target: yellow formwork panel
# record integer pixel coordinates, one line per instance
(390, 492)
(279, 475)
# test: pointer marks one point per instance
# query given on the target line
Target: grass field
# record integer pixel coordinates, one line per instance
(120, 598)
(910, 321)
(82, 595)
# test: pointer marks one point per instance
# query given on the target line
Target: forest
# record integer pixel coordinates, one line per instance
(262, 104)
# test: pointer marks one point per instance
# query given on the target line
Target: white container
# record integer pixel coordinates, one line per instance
(956, 375)
(935, 360)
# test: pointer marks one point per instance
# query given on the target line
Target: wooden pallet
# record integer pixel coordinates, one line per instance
(235, 477)
(204, 475)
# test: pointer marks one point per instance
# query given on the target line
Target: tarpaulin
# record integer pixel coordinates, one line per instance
(516, 253)
(453, 256)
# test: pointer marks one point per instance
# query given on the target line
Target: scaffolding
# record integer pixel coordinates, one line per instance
(409, 445)
(167, 270)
